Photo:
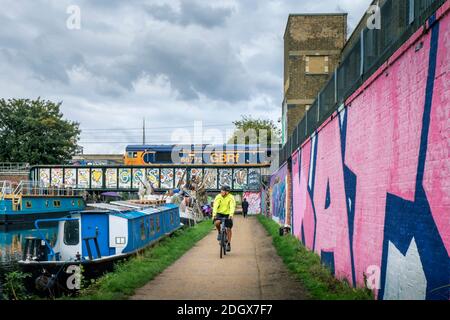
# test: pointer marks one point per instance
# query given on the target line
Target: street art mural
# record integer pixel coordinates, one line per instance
(198, 173)
(57, 177)
(124, 178)
(240, 178)
(138, 176)
(70, 177)
(180, 177)
(167, 178)
(225, 177)
(83, 178)
(44, 177)
(278, 195)
(210, 179)
(370, 189)
(254, 179)
(111, 178)
(96, 178)
(153, 177)
(254, 202)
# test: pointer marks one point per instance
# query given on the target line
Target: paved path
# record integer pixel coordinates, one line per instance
(252, 271)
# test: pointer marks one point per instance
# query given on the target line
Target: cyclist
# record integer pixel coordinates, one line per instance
(224, 206)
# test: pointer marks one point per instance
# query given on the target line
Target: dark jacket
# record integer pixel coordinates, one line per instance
(245, 206)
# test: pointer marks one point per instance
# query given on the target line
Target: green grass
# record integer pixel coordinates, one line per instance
(306, 266)
(138, 271)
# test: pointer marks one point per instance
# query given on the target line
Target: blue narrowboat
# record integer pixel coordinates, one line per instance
(94, 239)
(28, 201)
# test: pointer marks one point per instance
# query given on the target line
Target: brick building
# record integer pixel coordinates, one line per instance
(312, 48)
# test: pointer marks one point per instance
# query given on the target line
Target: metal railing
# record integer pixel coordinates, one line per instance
(35, 188)
(14, 167)
(370, 48)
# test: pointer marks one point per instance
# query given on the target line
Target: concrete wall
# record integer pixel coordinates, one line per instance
(371, 189)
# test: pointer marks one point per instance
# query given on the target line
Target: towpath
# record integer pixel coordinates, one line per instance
(252, 271)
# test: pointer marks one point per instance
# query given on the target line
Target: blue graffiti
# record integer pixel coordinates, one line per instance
(408, 220)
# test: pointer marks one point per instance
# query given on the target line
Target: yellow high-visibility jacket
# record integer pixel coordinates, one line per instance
(224, 205)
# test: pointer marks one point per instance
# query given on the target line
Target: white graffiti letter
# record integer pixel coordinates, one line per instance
(373, 277)
(74, 20)
(74, 280)
(374, 19)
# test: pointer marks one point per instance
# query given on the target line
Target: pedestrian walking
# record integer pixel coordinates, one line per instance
(244, 208)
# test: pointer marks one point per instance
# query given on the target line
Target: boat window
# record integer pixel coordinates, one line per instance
(172, 218)
(120, 240)
(28, 204)
(57, 203)
(143, 230)
(73, 203)
(46, 203)
(71, 233)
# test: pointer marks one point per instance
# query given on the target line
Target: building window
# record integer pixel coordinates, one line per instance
(317, 65)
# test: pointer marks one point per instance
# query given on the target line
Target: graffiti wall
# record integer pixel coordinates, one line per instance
(83, 178)
(371, 189)
(240, 178)
(124, 178)
(153, 177)
(225, 177)
(167, 178)
(278, 195)
(111, 178)
(44, 177)
(96, 178)
(57, 177)
(254, 202)
(70, 177)
(210, 179)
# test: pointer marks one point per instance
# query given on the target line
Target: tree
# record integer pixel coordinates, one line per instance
(34, 131)
(260, 131)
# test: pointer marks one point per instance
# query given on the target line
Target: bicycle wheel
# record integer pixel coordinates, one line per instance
(222, 251)
(224, 244)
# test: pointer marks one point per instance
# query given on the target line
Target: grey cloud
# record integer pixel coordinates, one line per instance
(191, 12)
(219, 62)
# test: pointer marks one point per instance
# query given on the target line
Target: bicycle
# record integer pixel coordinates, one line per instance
(223, 237)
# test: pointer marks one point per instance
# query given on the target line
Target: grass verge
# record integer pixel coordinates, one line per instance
(138, 271)
(307, 267)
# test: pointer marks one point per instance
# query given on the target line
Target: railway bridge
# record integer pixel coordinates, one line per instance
(120, 178)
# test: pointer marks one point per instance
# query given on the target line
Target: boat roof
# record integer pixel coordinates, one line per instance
(125, 212)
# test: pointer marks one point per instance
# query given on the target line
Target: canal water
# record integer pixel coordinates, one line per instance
(12, 241)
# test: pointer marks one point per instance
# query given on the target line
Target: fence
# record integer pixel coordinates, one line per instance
(370, 49)
(14, 167)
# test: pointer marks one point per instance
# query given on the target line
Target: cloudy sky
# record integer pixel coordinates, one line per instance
(173, 62)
